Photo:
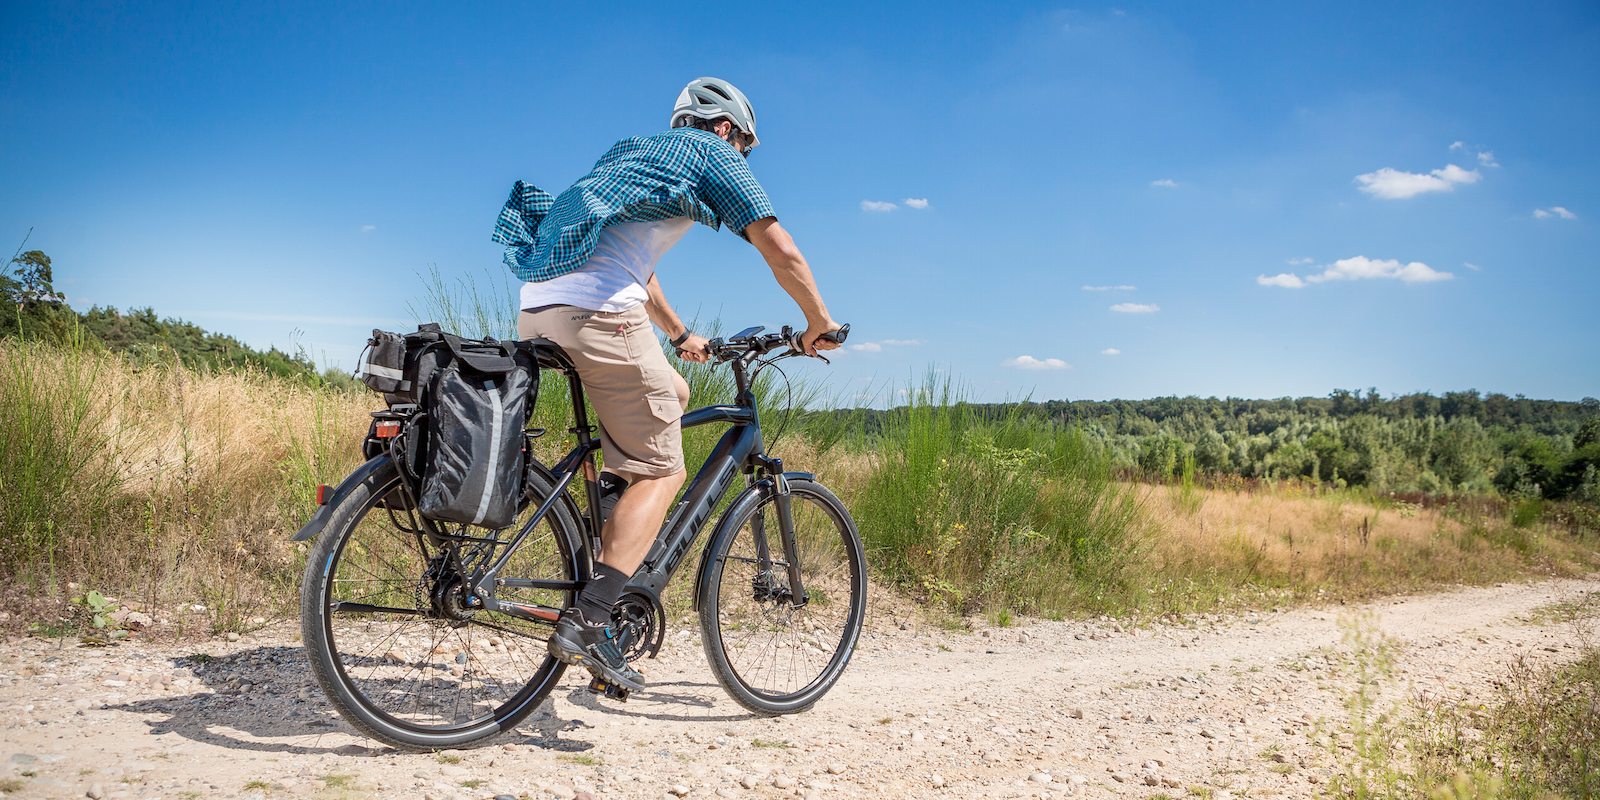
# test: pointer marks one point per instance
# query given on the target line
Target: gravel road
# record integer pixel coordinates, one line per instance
(1043, 709)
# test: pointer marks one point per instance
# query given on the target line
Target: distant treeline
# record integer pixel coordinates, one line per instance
(1458, 442)
(34, 310)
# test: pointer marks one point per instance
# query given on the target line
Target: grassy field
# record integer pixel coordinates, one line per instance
(171, 489)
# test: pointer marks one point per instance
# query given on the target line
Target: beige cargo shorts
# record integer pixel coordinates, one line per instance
(633, 390)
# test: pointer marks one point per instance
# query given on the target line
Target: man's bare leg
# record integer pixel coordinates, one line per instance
(634, 523)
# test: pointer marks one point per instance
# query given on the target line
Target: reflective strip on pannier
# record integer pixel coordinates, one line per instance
(473, 467)
(383, 368)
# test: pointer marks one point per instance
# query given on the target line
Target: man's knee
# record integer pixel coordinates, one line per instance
(682, 387)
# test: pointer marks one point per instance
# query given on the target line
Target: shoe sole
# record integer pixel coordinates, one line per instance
(560, 651)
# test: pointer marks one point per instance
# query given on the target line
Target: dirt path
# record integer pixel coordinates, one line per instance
(1049, 709)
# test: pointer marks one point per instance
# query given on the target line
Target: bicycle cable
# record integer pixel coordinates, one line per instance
(788, 387)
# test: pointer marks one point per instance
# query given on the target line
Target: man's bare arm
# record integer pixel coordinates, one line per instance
(794, 275)
(661, 313)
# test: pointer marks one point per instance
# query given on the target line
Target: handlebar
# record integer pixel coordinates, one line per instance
(752, 341)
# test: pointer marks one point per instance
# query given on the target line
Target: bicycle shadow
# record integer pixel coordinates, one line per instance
(653, 697)
(265, 700)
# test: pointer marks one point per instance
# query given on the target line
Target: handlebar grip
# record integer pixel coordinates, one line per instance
(838, 336)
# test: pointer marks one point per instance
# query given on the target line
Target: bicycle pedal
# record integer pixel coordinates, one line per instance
(610, 690)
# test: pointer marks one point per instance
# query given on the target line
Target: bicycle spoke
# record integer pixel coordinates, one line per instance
(405, 646)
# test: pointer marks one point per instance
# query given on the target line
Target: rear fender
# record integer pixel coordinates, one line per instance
(362, 473)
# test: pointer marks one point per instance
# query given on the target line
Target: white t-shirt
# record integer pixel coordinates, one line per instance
(613, 279)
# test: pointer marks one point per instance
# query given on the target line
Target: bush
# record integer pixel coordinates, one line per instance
(1006, 514)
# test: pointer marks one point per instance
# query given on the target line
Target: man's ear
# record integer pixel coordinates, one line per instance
(723, 128)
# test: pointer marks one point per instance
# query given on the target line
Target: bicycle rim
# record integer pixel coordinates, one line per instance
(422, 670)
(772, 656)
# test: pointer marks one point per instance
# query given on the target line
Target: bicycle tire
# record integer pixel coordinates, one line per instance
(747, 638)
(362, 538)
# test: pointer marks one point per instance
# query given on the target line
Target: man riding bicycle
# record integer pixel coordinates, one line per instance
(588, 258)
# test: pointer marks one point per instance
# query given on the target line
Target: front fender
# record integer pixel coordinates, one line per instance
(760, 489)
(362, 473)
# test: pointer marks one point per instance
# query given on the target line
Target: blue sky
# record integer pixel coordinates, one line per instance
(1303, 196)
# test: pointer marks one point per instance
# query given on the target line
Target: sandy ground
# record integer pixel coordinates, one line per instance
(1044, 709)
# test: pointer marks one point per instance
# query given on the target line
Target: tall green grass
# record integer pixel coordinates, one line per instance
(51, 444)
(167, 486)
(998, 515)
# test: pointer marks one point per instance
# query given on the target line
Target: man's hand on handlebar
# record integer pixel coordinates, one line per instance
(817, 337)
(694, 349)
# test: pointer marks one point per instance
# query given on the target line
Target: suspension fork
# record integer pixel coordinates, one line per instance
(791, 547)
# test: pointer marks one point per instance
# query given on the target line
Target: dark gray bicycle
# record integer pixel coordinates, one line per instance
(428, 636)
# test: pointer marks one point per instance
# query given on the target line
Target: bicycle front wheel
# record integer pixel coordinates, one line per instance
(391, 640)
(771, 655)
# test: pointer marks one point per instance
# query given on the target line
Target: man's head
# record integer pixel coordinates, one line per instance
(714, 105)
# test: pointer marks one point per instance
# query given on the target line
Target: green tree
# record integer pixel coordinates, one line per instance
(33, 284)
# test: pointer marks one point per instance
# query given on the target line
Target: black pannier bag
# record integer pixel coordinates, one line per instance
(383, 368)
(465, 441)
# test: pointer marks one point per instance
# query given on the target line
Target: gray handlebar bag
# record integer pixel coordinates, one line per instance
(478, 407)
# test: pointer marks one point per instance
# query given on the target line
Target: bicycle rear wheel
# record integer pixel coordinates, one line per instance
(389, 637)
(769, 655)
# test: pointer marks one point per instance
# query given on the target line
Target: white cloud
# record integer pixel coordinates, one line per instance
(1300, 262)
(1458, 145)
(368, 228)
(877, 347)
(1553, 211)
(1360, 268)
(1111, 351)
(918, 203)
(1121, 287)
(1486, 158)
(1029, 362)
(1392, 184)
(1136, 308)
(1164, 183)
(1287, 280)
(877, 205)
(1472, 266)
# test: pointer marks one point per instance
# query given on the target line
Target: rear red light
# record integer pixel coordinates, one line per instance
(386, 429)
(323, 492)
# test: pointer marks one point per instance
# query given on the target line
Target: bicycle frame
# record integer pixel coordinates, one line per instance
(739, 450)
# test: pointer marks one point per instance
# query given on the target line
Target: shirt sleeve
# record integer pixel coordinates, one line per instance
(731, 190)
(519, 219)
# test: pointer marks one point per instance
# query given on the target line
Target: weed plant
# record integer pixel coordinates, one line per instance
(995, 514)
(1537, 737)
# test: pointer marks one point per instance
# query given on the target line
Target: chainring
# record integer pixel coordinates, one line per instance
(641, 623)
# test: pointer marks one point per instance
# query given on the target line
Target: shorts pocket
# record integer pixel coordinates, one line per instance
(665, 409)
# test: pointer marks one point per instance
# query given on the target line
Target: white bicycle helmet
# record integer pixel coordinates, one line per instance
(715, 98)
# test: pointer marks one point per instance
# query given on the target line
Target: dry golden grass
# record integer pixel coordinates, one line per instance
(176, 487)
(1293, 542)
(171, 488)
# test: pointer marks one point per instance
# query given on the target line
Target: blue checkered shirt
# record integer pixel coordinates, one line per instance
(684, 172)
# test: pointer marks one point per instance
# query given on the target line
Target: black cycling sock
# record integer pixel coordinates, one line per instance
(600, 594)
(612, 486)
